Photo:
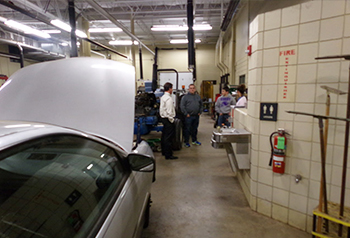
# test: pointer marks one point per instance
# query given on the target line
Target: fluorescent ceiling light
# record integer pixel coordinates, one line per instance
(64, 44)
(61, 24)
(3, 19)
(202, 27)
(80, 34)
(26, 29)
(101, 30)
(183, 41)
(123, 42)
(169, 28)
(66, 27)
(52, 31)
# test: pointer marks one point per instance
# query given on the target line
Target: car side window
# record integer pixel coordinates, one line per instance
(56, 186)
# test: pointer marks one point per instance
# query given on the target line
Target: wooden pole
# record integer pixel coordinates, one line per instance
(323, 165)
(345, 160)
(319, 221)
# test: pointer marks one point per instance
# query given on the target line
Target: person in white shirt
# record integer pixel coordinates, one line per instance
(167, 113)
(242, 100)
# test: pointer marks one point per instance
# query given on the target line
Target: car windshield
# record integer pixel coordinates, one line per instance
(57, 186)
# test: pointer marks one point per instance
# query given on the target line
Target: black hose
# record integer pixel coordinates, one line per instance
(270, 163)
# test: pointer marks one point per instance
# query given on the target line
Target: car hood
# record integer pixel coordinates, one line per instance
(87, 94)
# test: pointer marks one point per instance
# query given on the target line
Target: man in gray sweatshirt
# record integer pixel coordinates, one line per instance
(223, 106)
(192, 107)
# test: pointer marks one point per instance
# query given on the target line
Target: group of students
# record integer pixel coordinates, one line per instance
(225, 101)
(192, 107)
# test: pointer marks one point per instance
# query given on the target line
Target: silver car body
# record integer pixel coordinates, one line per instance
(96, 98)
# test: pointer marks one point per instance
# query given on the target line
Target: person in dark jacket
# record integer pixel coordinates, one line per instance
(192, 107)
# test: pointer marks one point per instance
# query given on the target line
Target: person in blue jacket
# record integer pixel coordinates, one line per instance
(192, 107)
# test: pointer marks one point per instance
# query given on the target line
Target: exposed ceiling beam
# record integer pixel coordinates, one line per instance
(117, 23)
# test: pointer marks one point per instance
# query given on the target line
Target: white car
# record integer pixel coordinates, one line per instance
(67, 163)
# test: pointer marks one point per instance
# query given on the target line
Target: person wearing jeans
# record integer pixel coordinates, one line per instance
(192, 107)
(223, 107)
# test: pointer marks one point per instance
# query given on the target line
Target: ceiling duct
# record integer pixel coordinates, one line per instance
(231, 10)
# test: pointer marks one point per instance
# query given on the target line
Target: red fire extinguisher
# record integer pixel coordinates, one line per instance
(278, 150)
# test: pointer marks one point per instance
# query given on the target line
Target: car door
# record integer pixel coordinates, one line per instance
(67, 186)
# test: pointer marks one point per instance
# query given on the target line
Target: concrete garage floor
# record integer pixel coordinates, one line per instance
(198, 196)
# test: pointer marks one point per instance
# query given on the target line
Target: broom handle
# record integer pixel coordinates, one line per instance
(345, 160)
(319, 220)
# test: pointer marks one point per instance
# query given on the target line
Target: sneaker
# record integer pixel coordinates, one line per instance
(187, 145)
(196, 143)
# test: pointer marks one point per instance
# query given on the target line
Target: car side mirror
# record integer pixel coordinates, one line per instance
(142, 163)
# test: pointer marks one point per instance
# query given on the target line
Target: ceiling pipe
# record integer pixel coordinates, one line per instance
(190, 36)
(104, 13)
(73, 37)
(41, 19)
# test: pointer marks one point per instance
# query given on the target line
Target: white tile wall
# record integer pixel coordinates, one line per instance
(316, 151)
(333, 8)
(315, 171)
(328, 29)
(305, 93)
(270, 57)
(255, 77)
(314, 191)
(290, 15)
(267, 127)
(273, 32)
(346, 46)
(264, 159)
(306, 73)
(253, 111)
(333, 47)
(307, 53)
(265, 176)
(310, 11)
(312, 204)
(298, 202)
(282, 108)
(254, 93)
(264, 207)
(254, 172)
(289, 35)
(290, 71)
(309, 32)
(305, 107)
(290, 95)
(280, 197)
(302, 131)
(270, 75)
(281, 181)
(347, 26)
(301, 150)
(255, 60)
(335, 192)
(336, 175)
(264, 192)
(338, 154)
(257, 25)
(272, 19)
(269, 93)
(271, 38)
(279, 213)
(300, 188)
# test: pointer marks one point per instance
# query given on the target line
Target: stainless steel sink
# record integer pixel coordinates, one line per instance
(237, 145)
